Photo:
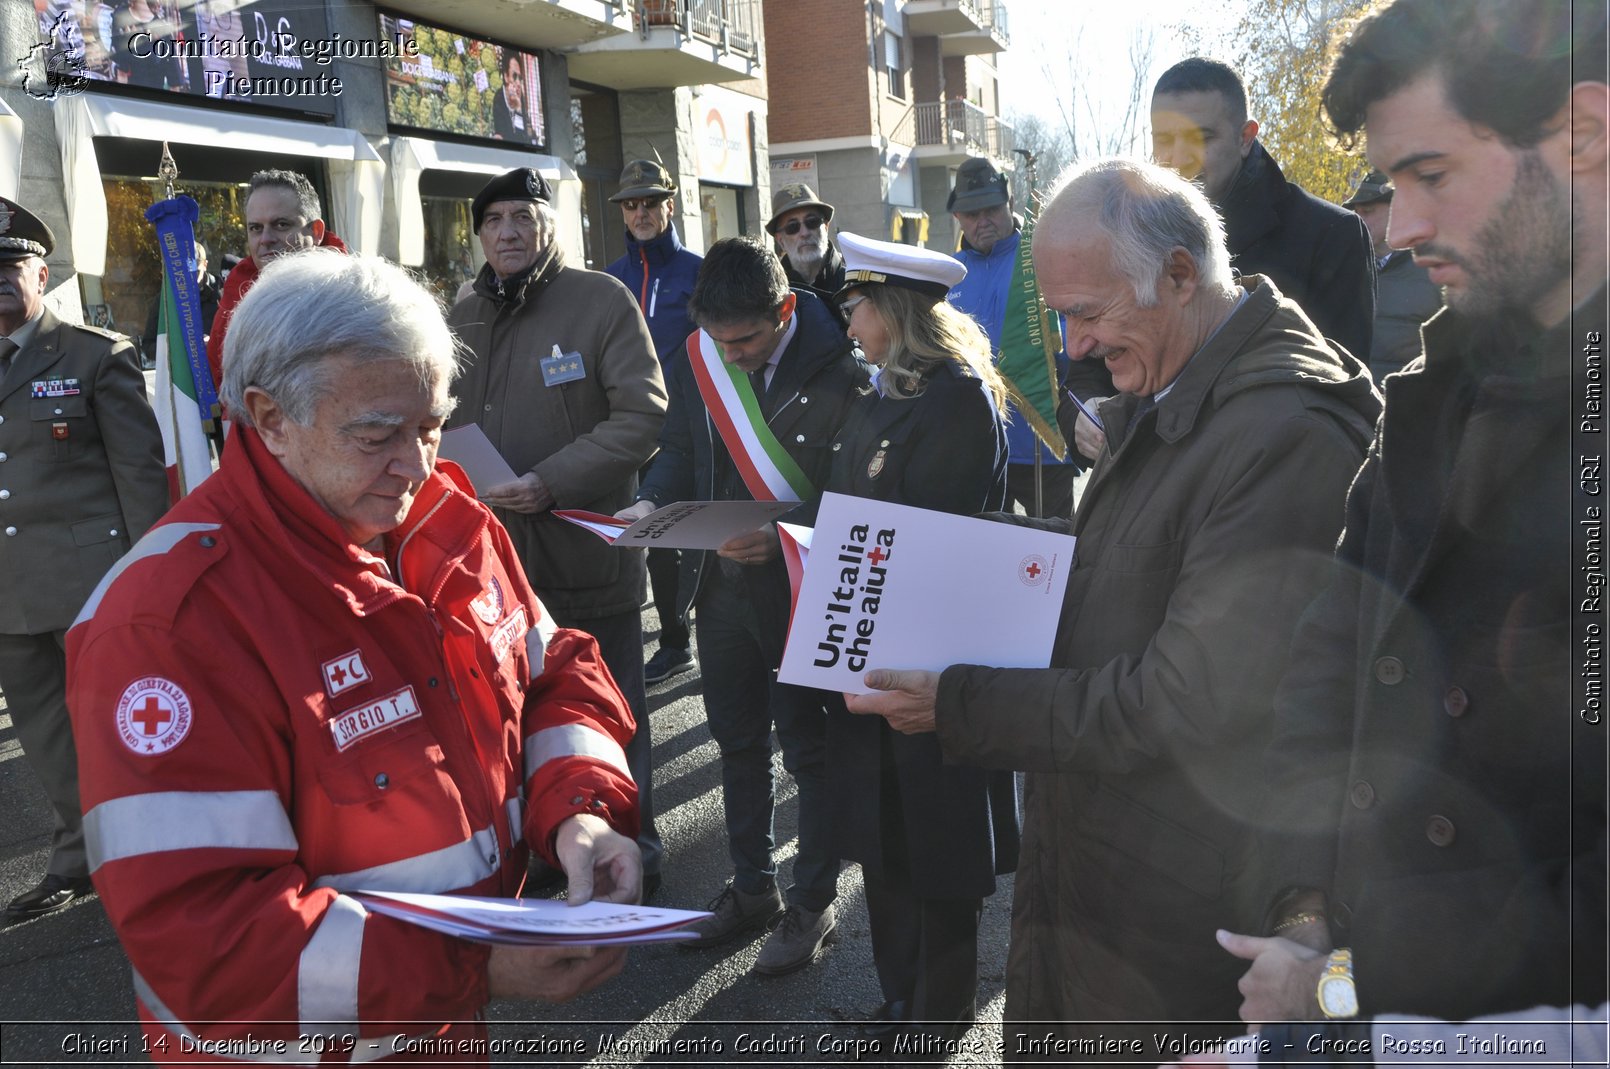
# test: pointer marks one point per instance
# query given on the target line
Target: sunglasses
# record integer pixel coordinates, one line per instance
(810, 222)
(847, 306)
(642, 202)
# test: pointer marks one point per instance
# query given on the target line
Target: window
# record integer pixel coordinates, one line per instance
(891, 62)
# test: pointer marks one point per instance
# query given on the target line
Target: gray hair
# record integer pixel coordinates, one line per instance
(310, 306)
(307, 198)
(1146, 212)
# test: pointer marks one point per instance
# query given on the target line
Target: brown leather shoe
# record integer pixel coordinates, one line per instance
(52, 893)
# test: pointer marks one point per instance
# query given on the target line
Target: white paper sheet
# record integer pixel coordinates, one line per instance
(687, 524)
(470, 448)
(889, 586)
(532, 921)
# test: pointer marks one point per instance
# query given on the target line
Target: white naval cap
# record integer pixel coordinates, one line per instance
(893, 264)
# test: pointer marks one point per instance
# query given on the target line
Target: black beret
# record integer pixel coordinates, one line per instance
(522, 183)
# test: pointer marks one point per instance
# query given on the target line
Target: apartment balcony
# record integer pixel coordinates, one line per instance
(946, 132)
(990, 36)
(555, 24)
(964, 27)
(675, 42)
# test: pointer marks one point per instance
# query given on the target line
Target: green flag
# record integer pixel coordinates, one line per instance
(1029, 346)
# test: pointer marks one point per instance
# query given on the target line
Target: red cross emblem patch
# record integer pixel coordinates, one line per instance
(345, 672)
(153, 716)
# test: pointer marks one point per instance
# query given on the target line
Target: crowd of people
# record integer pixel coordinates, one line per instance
(1304, 760)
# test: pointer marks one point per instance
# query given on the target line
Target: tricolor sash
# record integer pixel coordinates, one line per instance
(766, 468)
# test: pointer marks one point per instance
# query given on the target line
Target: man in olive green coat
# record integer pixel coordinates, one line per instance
(1204, 532)
(81, 479)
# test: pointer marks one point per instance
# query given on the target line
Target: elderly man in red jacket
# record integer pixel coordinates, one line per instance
(325, 673)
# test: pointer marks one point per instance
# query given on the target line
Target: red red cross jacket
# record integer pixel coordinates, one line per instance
(267, 718)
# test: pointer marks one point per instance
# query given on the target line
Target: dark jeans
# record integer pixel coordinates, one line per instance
(742, 698)
(663, 565)
(620, 643)
(33, 676)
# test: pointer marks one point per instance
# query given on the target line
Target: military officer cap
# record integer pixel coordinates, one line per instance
(645, 178)
(22, 233)
(1374, 187)
(978, 185)
(796, 195)
(892, 264)
(522, 183)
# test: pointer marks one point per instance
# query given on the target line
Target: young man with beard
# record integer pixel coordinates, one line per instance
(1431, 707)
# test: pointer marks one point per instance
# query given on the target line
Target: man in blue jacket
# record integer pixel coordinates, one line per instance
(660, 273)
(981, 205)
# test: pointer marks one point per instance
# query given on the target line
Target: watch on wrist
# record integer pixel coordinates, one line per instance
(1338, 998)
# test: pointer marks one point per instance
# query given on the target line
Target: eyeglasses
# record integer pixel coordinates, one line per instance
(810, 222)
(847, 306)
(642, 202)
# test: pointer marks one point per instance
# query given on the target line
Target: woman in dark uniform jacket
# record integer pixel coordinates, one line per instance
(930, 837)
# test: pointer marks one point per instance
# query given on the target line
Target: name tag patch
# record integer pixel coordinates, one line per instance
(561, 368)
(365, 720)
(508, 633)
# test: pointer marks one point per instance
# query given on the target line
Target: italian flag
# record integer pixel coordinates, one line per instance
(185, 449)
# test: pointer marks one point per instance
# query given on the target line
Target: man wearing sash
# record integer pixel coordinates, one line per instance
(772, 372)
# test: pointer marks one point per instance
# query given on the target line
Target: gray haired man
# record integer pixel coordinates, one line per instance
(1202, 536)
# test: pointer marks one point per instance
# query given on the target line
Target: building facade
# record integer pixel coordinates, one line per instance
(398, 113)
(876, 102)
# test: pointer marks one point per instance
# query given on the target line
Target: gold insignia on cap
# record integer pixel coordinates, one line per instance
(865, 276)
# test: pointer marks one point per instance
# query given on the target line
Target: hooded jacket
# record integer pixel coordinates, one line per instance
(1318, 253)
(1202, 536)
(270, 718)
(660, 273)
(241, 278)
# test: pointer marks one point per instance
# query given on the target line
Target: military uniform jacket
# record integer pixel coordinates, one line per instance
(1431, 770)
(81, 475)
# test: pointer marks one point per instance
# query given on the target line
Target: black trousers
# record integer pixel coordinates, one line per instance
(925, 949)
(33, 676)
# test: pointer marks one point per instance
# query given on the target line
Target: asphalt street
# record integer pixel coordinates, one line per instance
(66, 998)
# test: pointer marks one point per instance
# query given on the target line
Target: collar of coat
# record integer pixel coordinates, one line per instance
(659, 249)
(444, 515)
(1256, 200)
(1234, 360)
(525, 287)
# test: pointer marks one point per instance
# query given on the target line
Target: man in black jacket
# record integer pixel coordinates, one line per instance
(1317, 253)
(1439, 769)
(794, 360)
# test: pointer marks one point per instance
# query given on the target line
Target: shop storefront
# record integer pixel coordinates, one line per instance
(724, 124)
(111, 148)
